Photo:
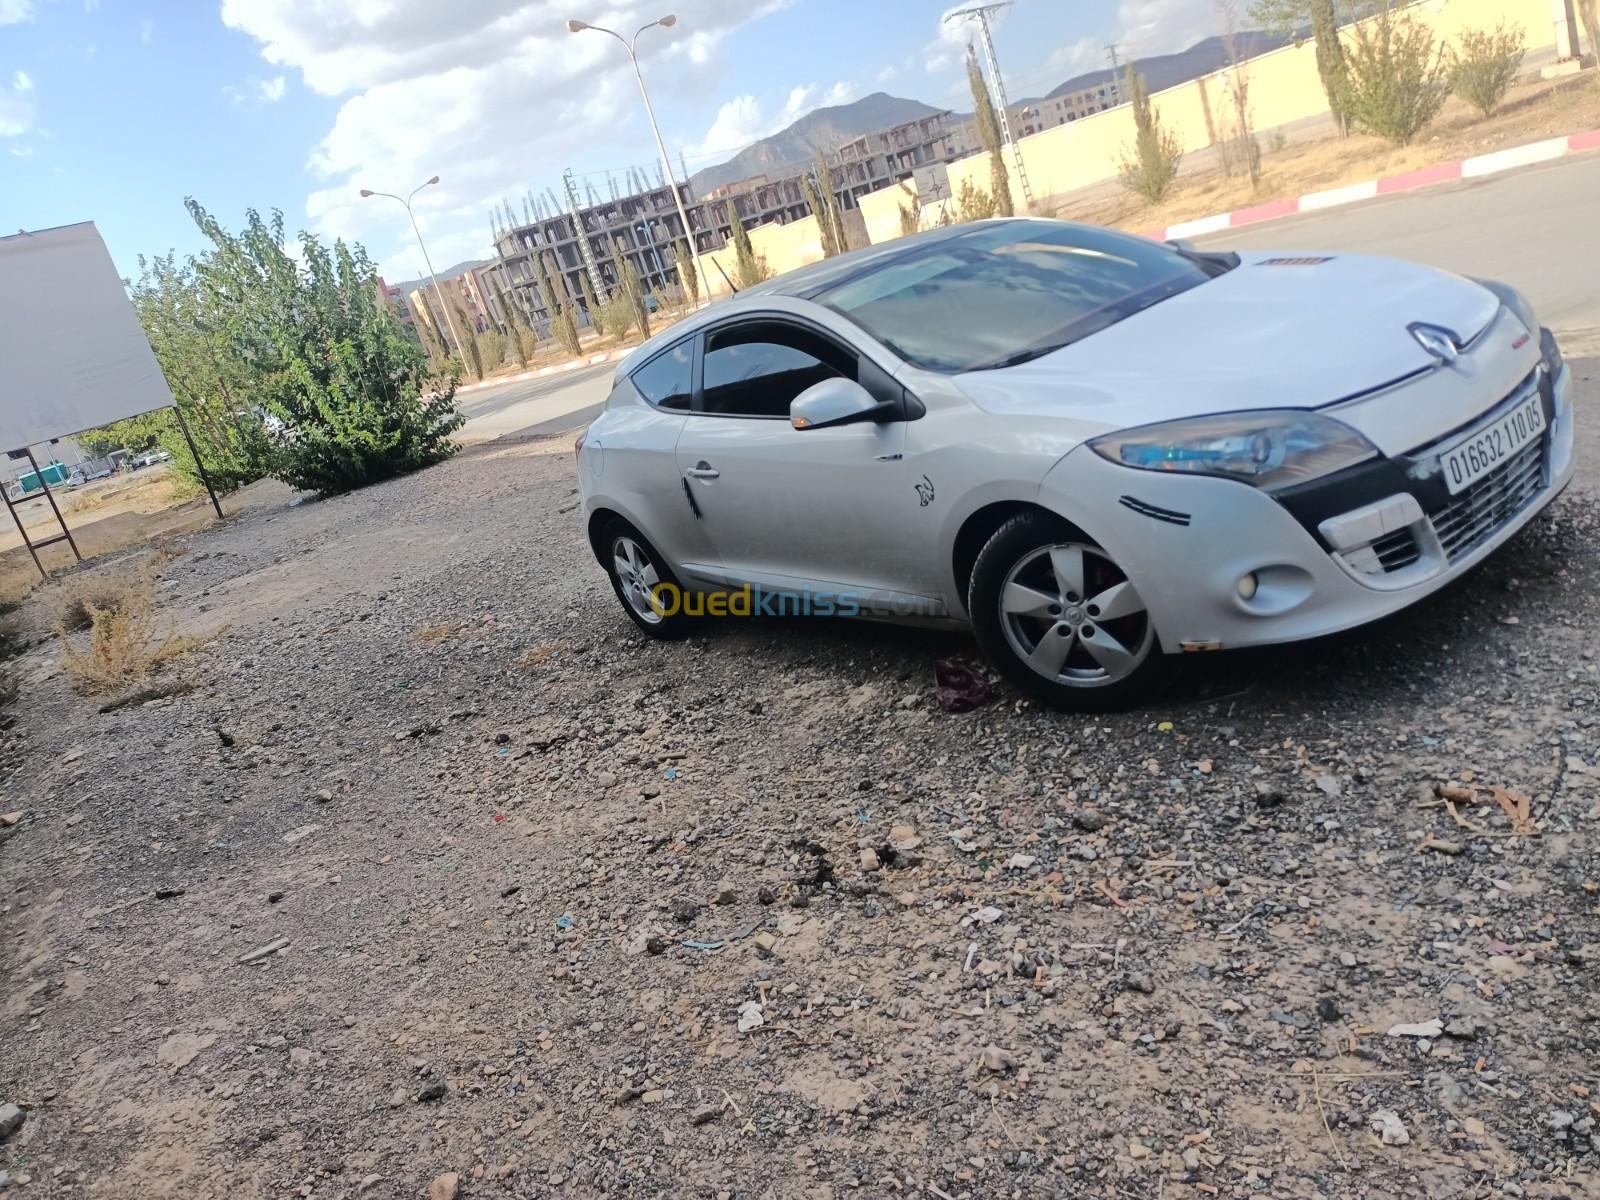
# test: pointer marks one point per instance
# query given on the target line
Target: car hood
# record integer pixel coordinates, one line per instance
(1280, 330)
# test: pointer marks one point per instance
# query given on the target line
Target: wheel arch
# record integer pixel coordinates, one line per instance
(981, 525)
(598, 520)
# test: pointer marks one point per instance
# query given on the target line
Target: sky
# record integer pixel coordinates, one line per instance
(116, 110)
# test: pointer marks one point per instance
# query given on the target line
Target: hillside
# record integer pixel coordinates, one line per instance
(820, 129)
(411, 285)
(1168, 70)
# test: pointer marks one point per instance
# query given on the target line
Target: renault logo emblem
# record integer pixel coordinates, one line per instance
(1440, 343)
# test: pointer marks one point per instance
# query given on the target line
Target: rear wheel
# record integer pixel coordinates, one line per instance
(1060, 619)
(637, 571)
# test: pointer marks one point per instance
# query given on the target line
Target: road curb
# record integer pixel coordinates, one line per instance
(1467, 168)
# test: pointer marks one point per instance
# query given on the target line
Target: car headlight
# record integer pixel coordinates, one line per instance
(1515, 301)
(1274, 449)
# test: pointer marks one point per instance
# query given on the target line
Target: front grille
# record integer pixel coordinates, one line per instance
(1396, 551)
(1472, 517)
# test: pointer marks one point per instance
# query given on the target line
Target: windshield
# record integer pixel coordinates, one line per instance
(1010, 291)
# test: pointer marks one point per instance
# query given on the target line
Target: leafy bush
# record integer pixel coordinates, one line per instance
(1486, 65)
(351, 393)
(1151, 164)
(973, 203)
(1396, 81)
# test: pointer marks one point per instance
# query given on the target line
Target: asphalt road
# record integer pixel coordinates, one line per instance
(1538, 229)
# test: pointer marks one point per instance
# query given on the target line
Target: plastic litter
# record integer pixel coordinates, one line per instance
(960, 686)
(694, 945)
(750, 1016)
(563, 922)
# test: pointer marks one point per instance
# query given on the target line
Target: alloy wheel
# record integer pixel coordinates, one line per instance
(638, 578)
(1074, 617)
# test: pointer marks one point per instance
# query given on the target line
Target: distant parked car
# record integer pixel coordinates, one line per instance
(1098, 450)
(149, 459)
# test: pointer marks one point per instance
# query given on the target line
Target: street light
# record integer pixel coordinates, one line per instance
(367, 193)
(666, 22)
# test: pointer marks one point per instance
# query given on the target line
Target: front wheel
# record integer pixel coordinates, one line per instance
(637, 571)
(1057, 616)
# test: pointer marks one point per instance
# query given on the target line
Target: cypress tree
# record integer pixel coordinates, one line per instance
(989, 135)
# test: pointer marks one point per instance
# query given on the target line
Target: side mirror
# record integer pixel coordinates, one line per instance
(835, 402)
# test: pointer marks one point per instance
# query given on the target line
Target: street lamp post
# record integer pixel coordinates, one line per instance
(666, 22)
(438, 294)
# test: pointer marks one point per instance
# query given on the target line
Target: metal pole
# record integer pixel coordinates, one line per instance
(437, 293)
(666, 163)
(204, 478)
(23, 533)
(50, 496)
(1000, 92)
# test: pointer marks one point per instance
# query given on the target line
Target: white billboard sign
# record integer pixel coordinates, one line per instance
(72, 353)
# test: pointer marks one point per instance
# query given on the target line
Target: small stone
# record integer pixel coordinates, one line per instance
(869, 859)
(1418, 1029)
(324, 796)
(1020, 862)
(1089, 820)
(1346, 959)
(1388, 1127)
(685, 910)
(1136, 982)
(766, 895)
(1329, 786)
(705, 1114)
(656, 945)
(7, 820)
(1191, 1158)
(300, 1058)
(444, 1186)
(654, 1096)
(1560, 1118)
(996, 1060)
(1462, 1027)
(367, 1184)
(433, 1091)
(726, 892)
(11, 1118)
(904, 837)
(1138, 1150)
(1328, 1008)
(399, 1098)
(766, 941)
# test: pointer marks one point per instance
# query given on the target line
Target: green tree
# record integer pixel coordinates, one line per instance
(1398, 79)
(516, 326)
(688, 276)
(563, 326)
(824, 205)
(1331, 68)
(1240, 150)
(1151, 164)
(591, 302)
(751, 268)
(989, 135)
(1589, 12)
(467, 330)
(325, 357)
(1486, 64)
(210, 380)
(633, 293)
(1291, 18)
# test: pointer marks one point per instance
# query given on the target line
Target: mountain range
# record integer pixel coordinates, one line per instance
(792, 148)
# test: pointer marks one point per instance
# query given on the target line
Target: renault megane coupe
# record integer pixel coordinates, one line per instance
(1098, 451)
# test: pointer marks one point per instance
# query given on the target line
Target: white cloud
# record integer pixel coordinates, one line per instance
(840, 93)
(743, 120)
(147, 29)
(271, 90)
(1164, 26)
(21, 151)
(90, 5)
(14, 12)
(494, 96)
(17, 107)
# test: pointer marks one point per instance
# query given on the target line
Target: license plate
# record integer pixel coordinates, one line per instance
(1480, 452)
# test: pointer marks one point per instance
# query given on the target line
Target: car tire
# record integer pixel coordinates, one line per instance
(1061, 621)
(632, 562)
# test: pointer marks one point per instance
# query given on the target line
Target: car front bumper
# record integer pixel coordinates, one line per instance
(1187, 541)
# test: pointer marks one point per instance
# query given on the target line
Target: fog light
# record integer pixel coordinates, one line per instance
(1247, 585)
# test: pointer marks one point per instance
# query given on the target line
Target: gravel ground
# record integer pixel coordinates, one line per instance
(441, 870)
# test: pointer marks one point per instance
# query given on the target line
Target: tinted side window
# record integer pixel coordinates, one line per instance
(666, 380)
(757, 370)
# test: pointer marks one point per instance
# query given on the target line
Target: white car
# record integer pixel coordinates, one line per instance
(1097, 450)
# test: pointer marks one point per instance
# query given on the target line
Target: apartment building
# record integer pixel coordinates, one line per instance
(1035, 116)
(645, 229)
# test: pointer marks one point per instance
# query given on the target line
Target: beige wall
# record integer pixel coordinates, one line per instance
(1284, 87)
(785, 247)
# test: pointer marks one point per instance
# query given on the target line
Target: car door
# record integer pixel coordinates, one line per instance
(630, 455)
(829, 509)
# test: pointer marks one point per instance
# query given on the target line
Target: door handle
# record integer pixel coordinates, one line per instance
(702, 470)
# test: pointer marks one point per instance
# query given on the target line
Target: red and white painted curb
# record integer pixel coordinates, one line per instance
(1469, 168)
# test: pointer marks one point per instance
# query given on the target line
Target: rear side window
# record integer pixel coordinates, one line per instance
(667, 379)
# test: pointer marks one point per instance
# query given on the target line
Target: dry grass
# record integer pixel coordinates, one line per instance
(1532, 112)
(443, 631)
(123, 646)
(541, 654)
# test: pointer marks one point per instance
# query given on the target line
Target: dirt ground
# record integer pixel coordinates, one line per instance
(440, 868)
(1533, 110)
